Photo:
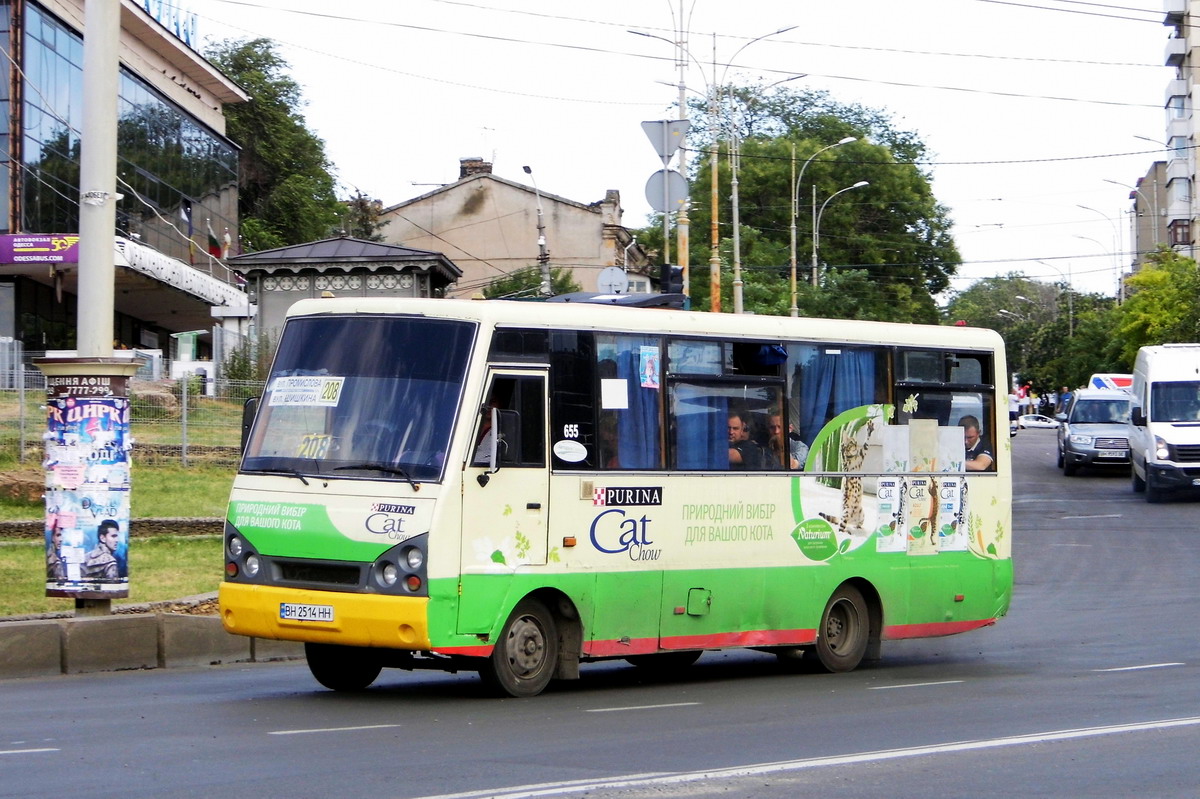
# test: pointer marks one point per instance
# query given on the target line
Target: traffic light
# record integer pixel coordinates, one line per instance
(670, 279)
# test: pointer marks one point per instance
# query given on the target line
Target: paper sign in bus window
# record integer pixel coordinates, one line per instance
(308, 390)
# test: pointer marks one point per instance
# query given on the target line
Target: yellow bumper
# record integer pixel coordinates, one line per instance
(395, 622)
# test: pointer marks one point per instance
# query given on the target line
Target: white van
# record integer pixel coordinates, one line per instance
(1164, 438)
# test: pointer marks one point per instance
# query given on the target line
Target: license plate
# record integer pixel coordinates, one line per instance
(1111, 453)
(291, 611)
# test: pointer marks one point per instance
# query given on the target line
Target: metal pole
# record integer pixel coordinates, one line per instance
(795, 310)
(543, 254)
(734, 157)
(682, 223)
(814, 235)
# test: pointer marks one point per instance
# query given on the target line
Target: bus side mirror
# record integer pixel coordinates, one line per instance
(249, 408)
(504, 443)
(1138, 417)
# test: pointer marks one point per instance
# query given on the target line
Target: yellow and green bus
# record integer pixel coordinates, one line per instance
(517, 488)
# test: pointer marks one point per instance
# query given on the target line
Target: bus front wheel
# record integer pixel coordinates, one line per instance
(342, 668)
(844, 632)
(526, 654)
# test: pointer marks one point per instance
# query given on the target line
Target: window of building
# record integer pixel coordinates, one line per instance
(1180, 232)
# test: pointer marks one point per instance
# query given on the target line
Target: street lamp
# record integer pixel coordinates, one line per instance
(796, 201)
(543, 253)
(1152, 203)
(817, 221)
(682, 220)
(1070, 296)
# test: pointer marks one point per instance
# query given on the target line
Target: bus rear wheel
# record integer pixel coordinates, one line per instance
(526, 655)
(844, 632)
(342, 668)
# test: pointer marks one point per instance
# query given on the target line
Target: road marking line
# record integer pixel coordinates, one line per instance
(26, 751)
(1139, 668)
(912, 685)
(639, 707)
(644, 780)
(333, 729)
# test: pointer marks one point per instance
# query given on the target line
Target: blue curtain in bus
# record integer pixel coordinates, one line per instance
(637, 425)
(701, 428)
(830, 384)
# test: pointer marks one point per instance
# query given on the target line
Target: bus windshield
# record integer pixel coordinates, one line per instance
(362, 397)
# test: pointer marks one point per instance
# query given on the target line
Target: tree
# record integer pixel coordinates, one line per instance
(360, 217)
(1164, 305)
(285, 187)
(1053, 337)
(884, 250)
(527, 283)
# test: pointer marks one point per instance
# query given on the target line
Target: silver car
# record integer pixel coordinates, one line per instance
(1094, 430)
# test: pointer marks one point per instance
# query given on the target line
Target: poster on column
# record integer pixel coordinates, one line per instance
(87, 497)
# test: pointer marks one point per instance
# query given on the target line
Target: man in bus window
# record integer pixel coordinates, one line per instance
(786, 441)
(743, 452)
(979, 451)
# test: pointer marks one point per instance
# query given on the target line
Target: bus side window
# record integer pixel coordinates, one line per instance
(520, 400)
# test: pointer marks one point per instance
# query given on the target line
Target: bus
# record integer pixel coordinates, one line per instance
(518, 488)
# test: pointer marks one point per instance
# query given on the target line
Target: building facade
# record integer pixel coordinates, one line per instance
(342, 267)
(176, 178)
(1167, 192)
(488, 226)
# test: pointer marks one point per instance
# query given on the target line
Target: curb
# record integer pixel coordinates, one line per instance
(45, 647)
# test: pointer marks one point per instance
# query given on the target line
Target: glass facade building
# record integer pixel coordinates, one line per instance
(177, 176)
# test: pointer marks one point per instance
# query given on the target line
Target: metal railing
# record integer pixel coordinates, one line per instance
(188, 420)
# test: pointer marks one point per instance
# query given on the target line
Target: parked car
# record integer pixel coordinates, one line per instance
(1094, 430)
(1036, 420)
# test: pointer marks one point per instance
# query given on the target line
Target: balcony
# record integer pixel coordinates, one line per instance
(1176, 51)
(1175, 11)
(1175, 88)
(1178, 168)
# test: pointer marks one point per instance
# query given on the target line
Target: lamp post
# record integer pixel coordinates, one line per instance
(1070, 297)
(795, 310)
(712, 90)
(816, 236)
(543, 253)
(1152, 203)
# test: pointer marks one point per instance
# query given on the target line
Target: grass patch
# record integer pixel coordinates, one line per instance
(158, 492)
(160, 568)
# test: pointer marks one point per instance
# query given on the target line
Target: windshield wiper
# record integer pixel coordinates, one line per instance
(294, 473)
(385, 468)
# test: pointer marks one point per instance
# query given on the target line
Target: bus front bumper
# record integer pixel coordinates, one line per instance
(337, 618)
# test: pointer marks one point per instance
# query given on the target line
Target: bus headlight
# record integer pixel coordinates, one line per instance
(389, 574)
(252, 566)
(235, 547)
(415, 558)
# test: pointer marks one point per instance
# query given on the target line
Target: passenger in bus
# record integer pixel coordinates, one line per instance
(788, 441)
(744, 453)
(979, 451)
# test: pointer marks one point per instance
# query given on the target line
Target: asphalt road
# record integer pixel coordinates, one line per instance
(1090, 687)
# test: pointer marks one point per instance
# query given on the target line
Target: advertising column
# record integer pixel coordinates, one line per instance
(87, 478)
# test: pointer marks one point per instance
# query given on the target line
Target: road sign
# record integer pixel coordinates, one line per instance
(666, 136)
(674, 195)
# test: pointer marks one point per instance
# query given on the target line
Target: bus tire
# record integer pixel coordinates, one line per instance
(342, 668)
(526, 654)
(844, 632)
(665, 663)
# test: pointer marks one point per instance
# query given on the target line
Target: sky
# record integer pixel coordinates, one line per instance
(1034, 112)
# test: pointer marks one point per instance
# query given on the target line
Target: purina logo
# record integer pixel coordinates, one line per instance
(612, 495)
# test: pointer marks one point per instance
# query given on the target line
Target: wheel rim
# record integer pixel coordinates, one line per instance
(525, 647)
(842, 626)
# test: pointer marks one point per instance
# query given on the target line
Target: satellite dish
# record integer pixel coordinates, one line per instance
(613, 280)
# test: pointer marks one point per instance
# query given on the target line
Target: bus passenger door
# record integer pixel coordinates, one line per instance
(506, 507)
